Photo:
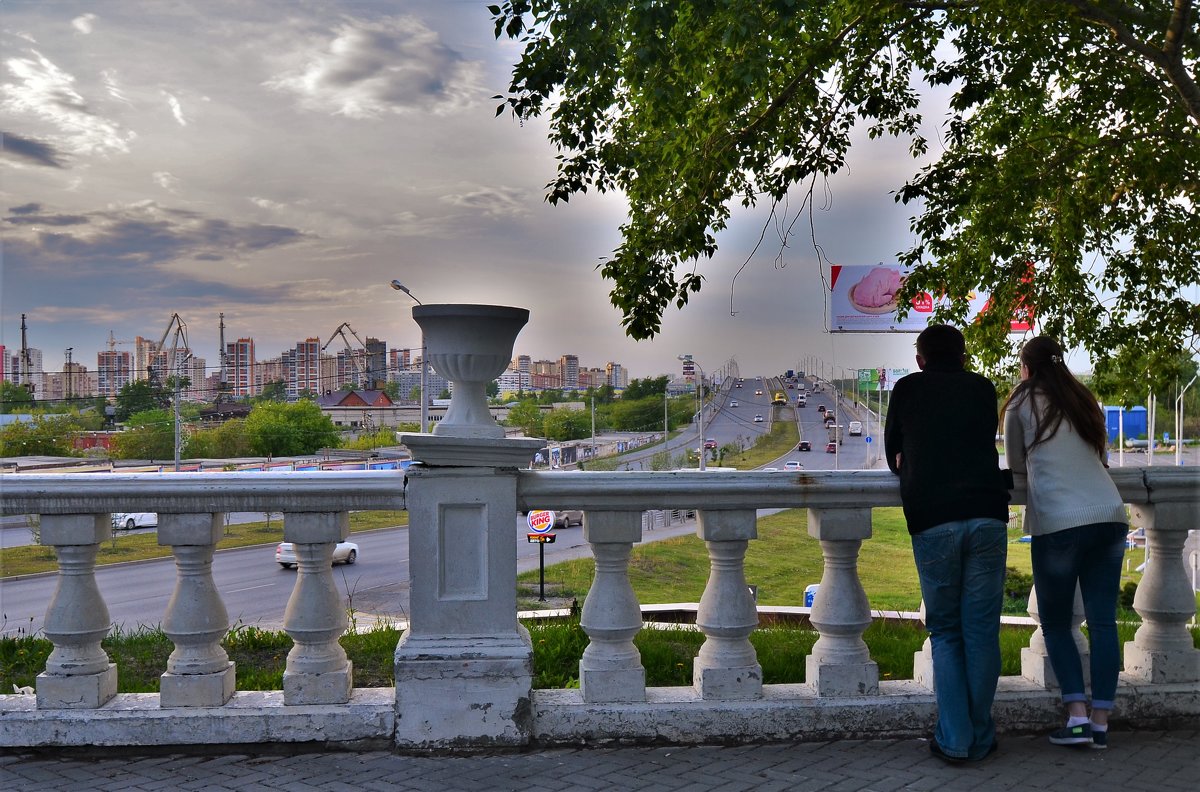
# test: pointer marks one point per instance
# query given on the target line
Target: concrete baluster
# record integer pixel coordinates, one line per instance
(840, 663)
(727, 666)
(1162, 649)
(1035, 661)
(923, 658)
(78, 672)
(611, 667)
(199, 672)
(318, 671)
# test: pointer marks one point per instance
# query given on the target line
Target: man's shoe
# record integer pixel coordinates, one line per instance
(937, 751)
(995, 746)
(1072, 735)
(1100, 739)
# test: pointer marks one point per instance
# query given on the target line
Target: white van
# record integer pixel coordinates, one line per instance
(854, 428)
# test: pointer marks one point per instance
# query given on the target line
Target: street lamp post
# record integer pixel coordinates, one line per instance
(700, 392)
(398, 286)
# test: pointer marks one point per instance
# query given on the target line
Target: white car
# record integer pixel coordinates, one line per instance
(130, 520)
(344, 553)
(854, 428)
(733, 402)
(758, 419)
(792, 464)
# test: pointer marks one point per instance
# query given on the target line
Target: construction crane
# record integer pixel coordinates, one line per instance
(357, 356)
(113, 341)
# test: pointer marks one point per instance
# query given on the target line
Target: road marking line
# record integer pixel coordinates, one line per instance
(251, 588)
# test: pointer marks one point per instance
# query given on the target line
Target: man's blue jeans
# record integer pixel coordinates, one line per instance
(961, 567)
(1091, 556)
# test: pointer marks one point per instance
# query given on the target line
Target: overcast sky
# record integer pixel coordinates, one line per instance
(280, 161)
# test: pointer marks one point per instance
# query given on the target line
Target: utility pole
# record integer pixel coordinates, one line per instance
(26, 363)
(67, 372)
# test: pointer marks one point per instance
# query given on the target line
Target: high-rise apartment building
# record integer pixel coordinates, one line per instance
(242, 371)
(143, 352)
(303, 367)
(114, 370)
(616, 375)
(376, 360)
(569, 368)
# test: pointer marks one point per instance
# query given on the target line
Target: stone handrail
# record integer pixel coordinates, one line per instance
(463, 673)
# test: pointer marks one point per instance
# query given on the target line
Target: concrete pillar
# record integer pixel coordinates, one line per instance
(1035, 661)
(464, 668)
(78, 672)
(318, 671)
(1162, 649)
(727, 666)
(611, 667)
(840, 663)
(199, 672)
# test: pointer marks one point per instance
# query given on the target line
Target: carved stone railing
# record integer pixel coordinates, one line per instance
(464, 667)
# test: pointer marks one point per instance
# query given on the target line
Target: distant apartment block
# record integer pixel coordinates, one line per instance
(242, 371)
(114, 370)
(569, 368)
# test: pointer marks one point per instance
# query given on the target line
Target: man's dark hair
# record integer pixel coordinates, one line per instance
(941, 344)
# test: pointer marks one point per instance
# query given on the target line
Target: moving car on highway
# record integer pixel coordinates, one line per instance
(344, 553)
(129, 520)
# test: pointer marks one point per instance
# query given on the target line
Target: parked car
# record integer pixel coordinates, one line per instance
(758, 419)
(804, 446)
(565, 518)
(792, 464)
(344, 553)
(831, 448)
(854, 428)
(130, 520)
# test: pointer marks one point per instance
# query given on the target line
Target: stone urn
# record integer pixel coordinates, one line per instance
(470, 345)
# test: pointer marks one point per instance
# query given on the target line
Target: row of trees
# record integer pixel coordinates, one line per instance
(640, 409)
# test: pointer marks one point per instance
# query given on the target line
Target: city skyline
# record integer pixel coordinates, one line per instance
(282, 162)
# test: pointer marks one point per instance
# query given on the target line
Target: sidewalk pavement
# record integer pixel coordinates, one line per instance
(1158, 761)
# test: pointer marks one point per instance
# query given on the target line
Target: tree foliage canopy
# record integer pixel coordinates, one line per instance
(1071, 140)
(289, 429)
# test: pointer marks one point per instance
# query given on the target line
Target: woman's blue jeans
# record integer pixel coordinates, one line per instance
(1088, 556)
(961, 567)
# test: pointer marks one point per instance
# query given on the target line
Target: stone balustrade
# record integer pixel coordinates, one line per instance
(463, 669)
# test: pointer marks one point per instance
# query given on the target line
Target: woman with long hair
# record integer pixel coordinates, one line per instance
(1054, 433)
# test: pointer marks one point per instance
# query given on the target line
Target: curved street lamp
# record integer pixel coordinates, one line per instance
(398, 286)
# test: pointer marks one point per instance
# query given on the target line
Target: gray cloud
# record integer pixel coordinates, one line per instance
(143, 234)
(48, 220)
(23, 209)
(371, 69)
(29, 150)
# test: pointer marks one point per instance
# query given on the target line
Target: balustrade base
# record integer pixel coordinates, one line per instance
(843, 679)
(84, 691)
(331, 687)
(728, 684)
(469, 691)
(1158, 666)
(623, 684)
(1035, 666)
(197, 690)
(923, 666)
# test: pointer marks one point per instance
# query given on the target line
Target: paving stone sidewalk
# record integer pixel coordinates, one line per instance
(1158, 761)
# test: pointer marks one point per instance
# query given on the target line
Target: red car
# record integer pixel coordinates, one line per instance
(831, 448)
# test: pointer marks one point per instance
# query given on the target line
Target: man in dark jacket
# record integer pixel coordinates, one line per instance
(940, 438)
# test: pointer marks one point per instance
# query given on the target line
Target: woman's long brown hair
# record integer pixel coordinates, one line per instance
(1066, 398)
